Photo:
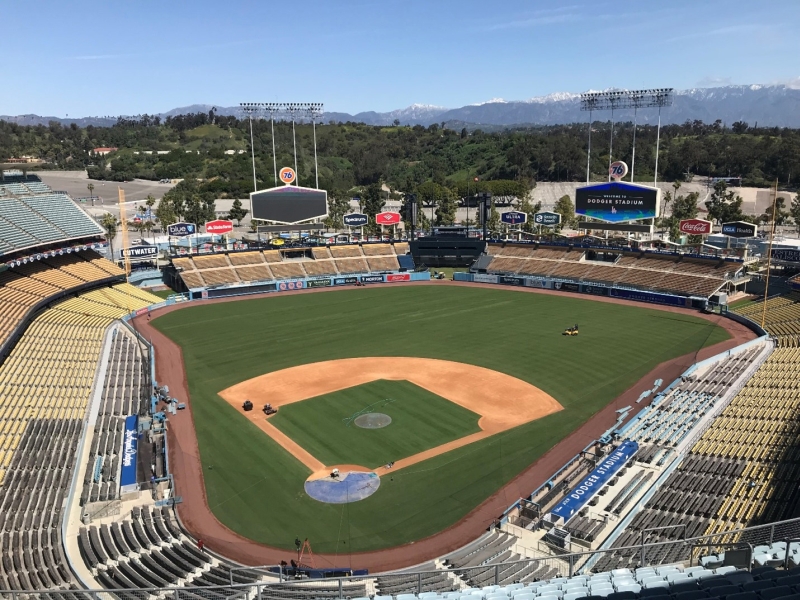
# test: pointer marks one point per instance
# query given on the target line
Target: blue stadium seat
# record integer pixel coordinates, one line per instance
(654, 593)
(755, 586)
(693, 595)
(775, 592)
(743, 596)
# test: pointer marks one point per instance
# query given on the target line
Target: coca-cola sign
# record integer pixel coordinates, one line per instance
(695, 226)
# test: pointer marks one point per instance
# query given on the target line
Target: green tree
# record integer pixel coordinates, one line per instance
(90, 187)
(237, 212)
(493, 224)
(566, 209)
(446, 207)
(684, 207)
(373, 203)
(199, 209)
(782, 214)
(109, 224)
(338, 207)
(724, 206)
(795, 211)
(165, 213)
(530, 209)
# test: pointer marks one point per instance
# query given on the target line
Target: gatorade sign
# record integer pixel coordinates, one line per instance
(287, 175)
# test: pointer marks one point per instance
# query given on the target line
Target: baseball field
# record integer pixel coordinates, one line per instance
(477, 384)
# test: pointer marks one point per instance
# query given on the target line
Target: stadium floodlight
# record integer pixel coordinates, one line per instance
(251, 108)
(614, 100)
(314, 111)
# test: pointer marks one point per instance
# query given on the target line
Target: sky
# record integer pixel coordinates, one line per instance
(89, 58)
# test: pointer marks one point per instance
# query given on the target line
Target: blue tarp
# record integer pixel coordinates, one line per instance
(130, 445)
(592, 483)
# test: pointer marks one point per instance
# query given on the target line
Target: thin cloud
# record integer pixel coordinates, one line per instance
(720, 31)
(151, 53)
(540, 18)
(711, 81)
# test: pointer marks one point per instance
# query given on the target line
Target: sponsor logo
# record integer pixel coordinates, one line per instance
(140, 251)
(618, 169)
(315, 283)
(345, 280)
(597, 290)
(129, 448)
(481, 278)
(181, 229)
(355, 220)
(387, 218)
(695, 226)
(787, 254)
(739, 229)
(547, 218)
(141, 311)
(287, 175)
(514, 217)
(290, 285)
(398, 277)
(219, 227)
(372, 279)
(511, 280)
(568, 287)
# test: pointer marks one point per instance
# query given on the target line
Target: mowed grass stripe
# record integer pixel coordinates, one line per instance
(420, 420)
(256, 488)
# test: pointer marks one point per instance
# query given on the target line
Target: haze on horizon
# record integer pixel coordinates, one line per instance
(90, 58)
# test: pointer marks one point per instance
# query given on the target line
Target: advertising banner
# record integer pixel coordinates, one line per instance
(219, 227)
(537, 283)
(653, 297)
(289, 204)
(547, 218)
(290, 285)
(387, 218)
(786, 254)
(484, 278)
(181, 229)
(345, 280)
(616, 201)
(511, 280)
(372, 279)
(398, 277)
(317, 283)
(566, 286)
(130, 447)
(695, 226)
(595, 290)
(595, 480)
(514, 217)
(739, 229)
(355, 220)
(141, 252)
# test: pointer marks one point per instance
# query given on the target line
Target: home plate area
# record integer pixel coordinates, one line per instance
(348, 486)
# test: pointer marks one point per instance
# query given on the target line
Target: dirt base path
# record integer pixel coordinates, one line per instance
(502, 401)
(197, 518)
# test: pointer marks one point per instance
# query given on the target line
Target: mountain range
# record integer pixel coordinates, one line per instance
(765, 105)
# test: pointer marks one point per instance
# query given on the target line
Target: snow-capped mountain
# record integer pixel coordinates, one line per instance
(771, 105)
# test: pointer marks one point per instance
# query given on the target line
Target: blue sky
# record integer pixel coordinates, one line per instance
(106, 58)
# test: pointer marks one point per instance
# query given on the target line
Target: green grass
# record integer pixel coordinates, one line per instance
(256, 488)
(420, 420)
(162, 293)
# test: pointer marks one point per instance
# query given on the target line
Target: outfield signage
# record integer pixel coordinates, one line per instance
(616, 201)
(596, 290)
(483, 278)
(786, 254)
(318, 283)
(355, 220)
(130, 447)
(514, 217)
(652, 297)
(290, 285)
(537, 283)
(695, 226)
(566, 286)
(387, 218)
(372, 279)
(345, 280)
(739, 229)
(144, 251)
(219, 227)
(398, 277)
(511, 280)
(181, 229)
(547, 218)
(595, 480)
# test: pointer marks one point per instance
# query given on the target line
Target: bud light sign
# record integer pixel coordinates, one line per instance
(181, 229)
(355, 220)
(547, 218)
(514, 217)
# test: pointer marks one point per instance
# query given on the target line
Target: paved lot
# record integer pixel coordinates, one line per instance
(75, 182)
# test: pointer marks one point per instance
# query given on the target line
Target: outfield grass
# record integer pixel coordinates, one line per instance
(420, 420)
(256, 488)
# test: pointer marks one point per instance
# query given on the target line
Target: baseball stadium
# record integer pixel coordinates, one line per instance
(565, 418)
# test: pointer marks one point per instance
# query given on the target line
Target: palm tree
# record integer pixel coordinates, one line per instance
(90, 187)
(109, 224)
(150, 201)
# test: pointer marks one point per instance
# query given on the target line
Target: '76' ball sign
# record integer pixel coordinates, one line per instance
(287, 175)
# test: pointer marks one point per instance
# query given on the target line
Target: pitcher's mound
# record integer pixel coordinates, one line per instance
(372, 420)
(351, 486)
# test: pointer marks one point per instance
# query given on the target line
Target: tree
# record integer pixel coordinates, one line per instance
(109, 224)
(373, 204)
(724, 206)
(493, 224)
(529, 209)
(237, 212)
(795, 211)
(90, 187)
(684, 207)
(165, 213)
(199, 209)
(338, 207)
(782, 215)
(566, 209)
